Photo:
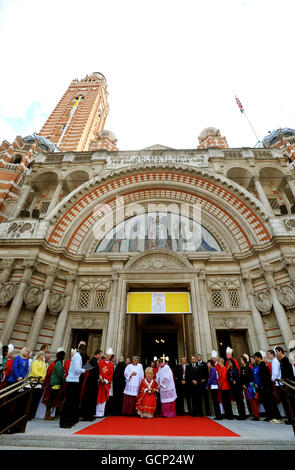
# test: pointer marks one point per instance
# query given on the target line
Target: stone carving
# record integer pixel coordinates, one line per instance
(231, 322)
(55, 302)
(33, 296)
(263, 302)
(7, 292)
(89, 323)
(286, 295)
(192, 158)
(157, 261)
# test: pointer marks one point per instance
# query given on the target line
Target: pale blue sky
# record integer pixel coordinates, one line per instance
(172, 67)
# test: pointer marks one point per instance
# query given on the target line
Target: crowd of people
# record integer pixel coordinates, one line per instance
(83, 388)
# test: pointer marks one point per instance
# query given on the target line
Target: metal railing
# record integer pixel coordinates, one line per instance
(288, 387)
(9, 397)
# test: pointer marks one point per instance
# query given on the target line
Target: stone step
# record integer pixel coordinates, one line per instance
(23, 441)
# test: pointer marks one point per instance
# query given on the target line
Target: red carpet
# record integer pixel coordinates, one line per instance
(179, 426)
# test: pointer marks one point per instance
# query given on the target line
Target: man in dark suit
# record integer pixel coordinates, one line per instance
(204, 374)
(119, 383)
(182, 386)
(195, 391)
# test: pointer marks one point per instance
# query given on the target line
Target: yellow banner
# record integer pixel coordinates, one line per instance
(158, 302)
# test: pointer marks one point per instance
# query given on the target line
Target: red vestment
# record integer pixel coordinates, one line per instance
(147, 401)
(7, 372)
(106, 370)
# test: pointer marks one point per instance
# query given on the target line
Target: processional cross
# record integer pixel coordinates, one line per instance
(163, 357)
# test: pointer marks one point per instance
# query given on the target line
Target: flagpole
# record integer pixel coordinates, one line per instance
(257, 138)
(69, 120)
(249, 122)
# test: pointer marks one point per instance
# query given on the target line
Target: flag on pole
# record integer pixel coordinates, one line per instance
(239, 104)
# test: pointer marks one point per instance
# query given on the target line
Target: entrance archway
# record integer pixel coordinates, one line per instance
(158, 338)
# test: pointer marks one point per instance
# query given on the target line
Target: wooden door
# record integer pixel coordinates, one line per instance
(94, 342)
(239, 343)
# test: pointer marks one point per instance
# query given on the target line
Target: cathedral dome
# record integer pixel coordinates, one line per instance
(209, 131)
(275, 136)
(43, 142)
(107, 135)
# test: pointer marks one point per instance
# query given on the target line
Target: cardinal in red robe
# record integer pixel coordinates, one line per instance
(106, 370)
(147, 400)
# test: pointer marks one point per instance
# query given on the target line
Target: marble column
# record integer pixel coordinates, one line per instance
(206, 330)
(196, 306)
(24, 193)
(280, 313)
(256, 316)
(291, 184)
(120, 312)
(262, 196)
(290, 267)
(41, 310)
(55, 197)
(113, 315)
(58, 338)
(17, 302)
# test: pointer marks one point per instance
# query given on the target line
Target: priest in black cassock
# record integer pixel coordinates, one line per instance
(88, 403)
(119, 383)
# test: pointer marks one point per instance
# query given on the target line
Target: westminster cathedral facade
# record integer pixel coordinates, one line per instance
(153, 252)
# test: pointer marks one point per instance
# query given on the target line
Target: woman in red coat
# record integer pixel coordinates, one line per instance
(225, 391)
(147, 400)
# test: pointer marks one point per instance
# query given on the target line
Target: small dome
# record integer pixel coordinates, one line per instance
(275, 136)
(107, 135)
(209, 131)
(43, 142)
(99, 75)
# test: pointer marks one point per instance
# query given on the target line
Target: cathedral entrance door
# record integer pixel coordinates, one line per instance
(159, 339)
(92, 339)
(235, 339)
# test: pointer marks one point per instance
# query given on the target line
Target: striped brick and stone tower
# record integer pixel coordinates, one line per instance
(212, 138)
(80, 114)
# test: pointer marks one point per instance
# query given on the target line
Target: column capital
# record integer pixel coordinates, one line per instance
(7, 263)
(29, 263)
(71, 277)
(252, 274)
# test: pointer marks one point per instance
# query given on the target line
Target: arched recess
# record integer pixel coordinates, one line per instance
(234, 207)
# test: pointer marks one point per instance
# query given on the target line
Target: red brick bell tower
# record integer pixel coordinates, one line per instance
(80, 114)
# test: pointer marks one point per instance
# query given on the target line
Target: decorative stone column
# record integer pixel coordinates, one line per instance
(112, 330)
(291, 184)
(17, 302)
(120, 315)
(204, 315)
(262, 196)
(55, 196)
(256, 315)
(58, 338)
(41, 310)
(289, 264)
(278, 308)
(24, 193)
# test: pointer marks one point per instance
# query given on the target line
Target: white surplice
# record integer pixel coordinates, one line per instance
(133, 383)
(165, 379)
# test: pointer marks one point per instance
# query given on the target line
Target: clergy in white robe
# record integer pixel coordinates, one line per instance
(133, 376)
(168, 395)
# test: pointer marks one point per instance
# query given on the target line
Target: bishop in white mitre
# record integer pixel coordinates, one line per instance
(168, 395)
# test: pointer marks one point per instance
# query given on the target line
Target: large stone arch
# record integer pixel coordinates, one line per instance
(240, 211)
